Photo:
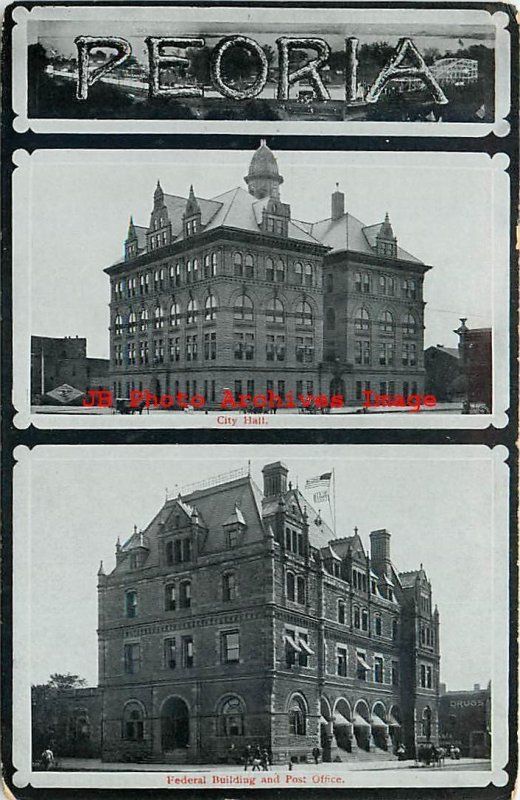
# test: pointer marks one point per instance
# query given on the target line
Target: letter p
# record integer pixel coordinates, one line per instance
(85, 45)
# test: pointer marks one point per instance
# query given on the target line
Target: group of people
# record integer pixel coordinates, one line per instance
(258, 757)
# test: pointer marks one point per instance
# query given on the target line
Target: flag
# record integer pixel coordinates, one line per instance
(320, 484)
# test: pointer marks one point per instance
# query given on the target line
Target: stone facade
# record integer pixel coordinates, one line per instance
(228, 293)
(238, 617)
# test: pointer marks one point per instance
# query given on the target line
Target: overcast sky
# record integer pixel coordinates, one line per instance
(440, 205)
(435, 501)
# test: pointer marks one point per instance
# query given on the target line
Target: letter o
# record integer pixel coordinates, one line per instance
(197, 400)
(216, 67)
(166, 401)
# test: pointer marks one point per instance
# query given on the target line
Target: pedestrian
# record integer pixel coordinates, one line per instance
(248, 757)
(316, 753)
(265, 760)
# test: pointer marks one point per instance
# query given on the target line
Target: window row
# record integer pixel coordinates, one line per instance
(427, 636)
(385, 353)
(385, 387)
(178, 594)
(360, 620)
(191, 270)
(363, 670)
(243, 310)
(208, 388)
(386, 324)
(364, 283)
(179, 652)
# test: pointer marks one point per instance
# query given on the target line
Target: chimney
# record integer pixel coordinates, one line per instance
(337, 204)
(380, 551)
(476, 687)
(275, 479)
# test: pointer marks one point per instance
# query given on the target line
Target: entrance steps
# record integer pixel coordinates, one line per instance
(360, 755)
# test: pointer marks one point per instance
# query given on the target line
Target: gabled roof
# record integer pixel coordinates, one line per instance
(451, 351)
(176, 206)
(407, 579)
(140, 232)
(349, 233)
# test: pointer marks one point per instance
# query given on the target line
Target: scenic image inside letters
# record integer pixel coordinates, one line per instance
(262, 72)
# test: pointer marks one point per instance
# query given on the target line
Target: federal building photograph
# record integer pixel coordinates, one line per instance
(267, 613)
(264, 281)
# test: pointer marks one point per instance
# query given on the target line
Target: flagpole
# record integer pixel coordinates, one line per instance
(334, 496)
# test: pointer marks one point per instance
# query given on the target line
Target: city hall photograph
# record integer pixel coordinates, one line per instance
(276, 614)
(279, 287)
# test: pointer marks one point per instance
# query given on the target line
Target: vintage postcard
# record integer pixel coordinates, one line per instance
(261, 287)
(260, 619)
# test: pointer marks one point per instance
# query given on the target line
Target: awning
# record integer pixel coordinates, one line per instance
(290, 641)
(360, 722)
(362, 661)
(393, 722)
(323, 721)
(377, 722)
(305, 646)
(340, 721)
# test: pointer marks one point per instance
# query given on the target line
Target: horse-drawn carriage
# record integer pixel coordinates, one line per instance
(429, 754)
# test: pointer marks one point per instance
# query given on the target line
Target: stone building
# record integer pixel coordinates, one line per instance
(239, 617)
(234, 293)
(465, 720)
(63, 360)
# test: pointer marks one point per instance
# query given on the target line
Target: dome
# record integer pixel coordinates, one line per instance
(263, 178)
(263, 163)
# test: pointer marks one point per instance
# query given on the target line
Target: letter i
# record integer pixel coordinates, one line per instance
(351, 65)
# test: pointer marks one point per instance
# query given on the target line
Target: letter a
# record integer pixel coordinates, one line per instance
(85, 45)
(418, 70)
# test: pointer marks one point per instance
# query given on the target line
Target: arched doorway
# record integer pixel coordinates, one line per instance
(427, 723)
(175, 724)
(343, 728)
(325, 729)
(362, 728)
(379, 726)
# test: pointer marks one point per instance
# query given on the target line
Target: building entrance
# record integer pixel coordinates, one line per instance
(175, 724)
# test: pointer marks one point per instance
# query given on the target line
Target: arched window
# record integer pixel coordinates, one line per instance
(185, 594)
(158, 318)
(303, 314)
(207, 266)
(409, 325)
(195, 269)
(243, 308)
(210, 307)
(213, 264)
(188, 271)
(378, 626)
(118, 325)
(175, 315)
(249, 266)
(364, 620)
(300, 590)
(366, 283)
(133, 723)
(291, 586)
(238, 265)
(298, 272)
(297, 716)
(361, 320)
(143, 320)
(170, 598)
(178, 269)
(427, 723)
(232, 717)
(192, 311)
(132, 323)
(308, 275)
(386, 322)
(280, 271)
(269, 269)
(341, 612)
(131, 603)
(275, 311)
(229, 587)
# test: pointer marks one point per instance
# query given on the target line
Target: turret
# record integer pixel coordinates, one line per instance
(192, 215)
(386, 242)
(263, 178)
(275, 479)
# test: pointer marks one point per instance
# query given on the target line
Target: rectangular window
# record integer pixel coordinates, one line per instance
(303, 655)
(131, 658)
(269, 347)
(185, 595)
(230, 642)
(250, 388)
(187, 651)
(362, 666)
(210, 346)
(238, 389)
(378, 669)
(395, 673)
(342, 661)
(281, 389)
(170, 654)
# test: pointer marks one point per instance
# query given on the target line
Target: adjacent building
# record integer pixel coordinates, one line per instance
(465, 720)
(234, 293)
(63, 360)
(239, 617)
